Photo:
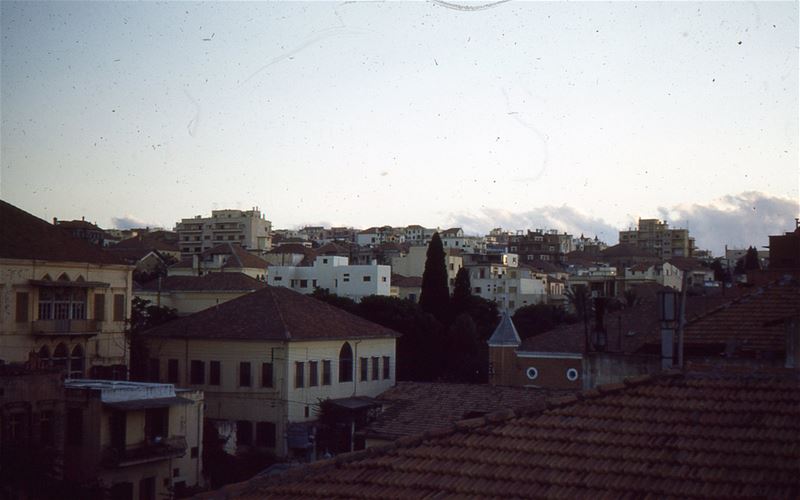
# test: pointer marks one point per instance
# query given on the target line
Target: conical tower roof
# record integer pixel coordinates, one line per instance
(505, 335)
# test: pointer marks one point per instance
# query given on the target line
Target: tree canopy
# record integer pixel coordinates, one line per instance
(434, 297)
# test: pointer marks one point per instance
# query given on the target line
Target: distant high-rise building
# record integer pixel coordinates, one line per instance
(657, 238)
(250, 229)
(537, 245)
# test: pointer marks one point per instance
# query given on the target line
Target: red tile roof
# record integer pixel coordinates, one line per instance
(24, 236)
(698, 435)
(272, 313)
(417, 407)
(753, 322)
(211, 281)
(406, 281)
(154, 240)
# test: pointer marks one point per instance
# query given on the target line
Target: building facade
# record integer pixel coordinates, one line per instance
(249, 229)
(658, 239)
(335, 274)
(265, 362)
(550, 246)
(62, 298)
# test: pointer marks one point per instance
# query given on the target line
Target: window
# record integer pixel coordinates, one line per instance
(477, 289)
(375, 367)
(61, 357)
(244, 432)
(153, 370)
(244, 374)
(76, 362)
(363, 369)
(119, 307)
(266, 374)
(303, 283)
(100, 306)
(313, 377)
(326, 372)
(383, 279)
(346, 363)
(265, 434)
(74, 426)
(299, 372)
(195, 452)
(277, 278)
(346, 278)
(147, 488)
(197, 372)
(172, 371)
(15, 427)
(367, 278)
(386, 368)
(213, 373)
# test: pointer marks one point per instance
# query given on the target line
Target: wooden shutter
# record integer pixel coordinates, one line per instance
(119, 307)
(22, 306)
(100, 306)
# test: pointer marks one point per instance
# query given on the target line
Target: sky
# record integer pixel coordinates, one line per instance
(579, 116)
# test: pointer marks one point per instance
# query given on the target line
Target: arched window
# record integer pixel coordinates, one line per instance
(346, 363)
(44, 356)
(60, 356)
(76, 362)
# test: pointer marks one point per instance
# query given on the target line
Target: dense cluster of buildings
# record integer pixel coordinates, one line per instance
(252, 359)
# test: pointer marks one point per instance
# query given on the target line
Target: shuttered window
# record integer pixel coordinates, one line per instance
(119, 307)
(22, 306)
(100, 306)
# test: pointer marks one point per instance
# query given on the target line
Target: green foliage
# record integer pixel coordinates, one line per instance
(434, 297)
(345, 303)
(463, 362)
(144, 316)
(539, 318)
(751, 262)
(720, 274)
(462, 291)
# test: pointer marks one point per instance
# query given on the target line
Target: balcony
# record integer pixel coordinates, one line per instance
(173, 447)
(65, 327)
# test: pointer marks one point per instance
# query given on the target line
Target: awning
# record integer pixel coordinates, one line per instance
(356, 402)
(143, 404)
(72, 284)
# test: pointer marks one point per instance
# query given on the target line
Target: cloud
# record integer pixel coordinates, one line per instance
(562, 218)
(130, 222)
(737, 220)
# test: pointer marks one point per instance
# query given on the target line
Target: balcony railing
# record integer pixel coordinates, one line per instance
(65, 326)
(173, 447)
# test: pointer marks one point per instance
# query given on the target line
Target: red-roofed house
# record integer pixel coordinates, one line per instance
(61, 297)
(267, 359)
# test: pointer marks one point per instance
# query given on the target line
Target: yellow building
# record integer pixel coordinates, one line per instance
(266, 360)
(658, 239)
(133, 439)
(61, 298)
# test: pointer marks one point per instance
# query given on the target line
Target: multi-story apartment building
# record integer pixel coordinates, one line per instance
(455, 238)
(133, 439)
(658, 239)
(418, 235)
(248, 228)
(83, 230)
(412, 264)
(536, 245)
(266, 361)
(62, 298)
(501, 279)
(335, 274)
(377, 235)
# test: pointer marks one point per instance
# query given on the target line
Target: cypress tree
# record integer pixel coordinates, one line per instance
(462, 291)
(435, 295)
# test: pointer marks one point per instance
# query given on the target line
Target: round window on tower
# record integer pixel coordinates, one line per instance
(532, 373)
(572, 374)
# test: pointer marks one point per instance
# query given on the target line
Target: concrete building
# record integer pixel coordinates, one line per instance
(249, 229)
(500, 278)
(335, 274)
(549, 246)
(190, 294)
(223, 258)
(133, 439)
(412, 264)
(784, 250)
(658, 239)
(62, 298)
(83, 230)
(266, 360)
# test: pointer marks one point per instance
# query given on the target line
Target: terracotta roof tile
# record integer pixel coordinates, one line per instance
(24, 236)
(272, 313)
(696, 435)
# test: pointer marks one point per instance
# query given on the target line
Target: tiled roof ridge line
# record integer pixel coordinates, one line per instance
(736, 300)
(280, 315)
(234, 254)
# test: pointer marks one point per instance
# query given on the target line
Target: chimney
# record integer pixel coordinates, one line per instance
(55, 221)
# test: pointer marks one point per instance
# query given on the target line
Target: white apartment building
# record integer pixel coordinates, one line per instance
(412, 264)
(250, 229)
(335, 274)
(510, 286)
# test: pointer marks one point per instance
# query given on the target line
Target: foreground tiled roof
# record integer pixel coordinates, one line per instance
(145, 242)
(210, 282)
(699, 435)
(418, 407)
(272, 313)
(24, 236)
(753, 322)
(624, 250)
